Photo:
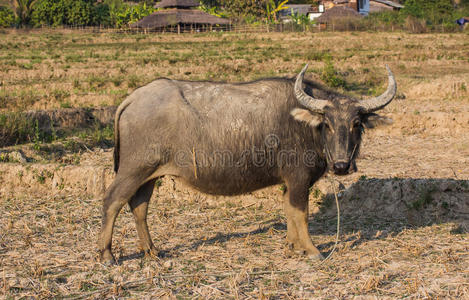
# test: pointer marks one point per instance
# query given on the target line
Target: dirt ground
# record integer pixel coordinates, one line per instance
(404, 214)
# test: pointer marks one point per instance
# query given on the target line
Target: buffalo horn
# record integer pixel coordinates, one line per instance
(377, 103)
(315, 105)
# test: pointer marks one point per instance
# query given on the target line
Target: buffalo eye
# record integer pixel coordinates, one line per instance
(357, 123)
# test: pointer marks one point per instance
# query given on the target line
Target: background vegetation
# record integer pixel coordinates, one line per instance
(424, 14)
(35, 13)
(418, 15)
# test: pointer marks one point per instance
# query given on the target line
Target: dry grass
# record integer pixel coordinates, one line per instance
(64, 68)
(233, 248)
(222, 249)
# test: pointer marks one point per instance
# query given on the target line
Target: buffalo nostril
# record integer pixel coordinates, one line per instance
(341, 167)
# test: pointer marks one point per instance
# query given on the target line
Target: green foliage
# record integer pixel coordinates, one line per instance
(210, 3)
(79, 12)
(331, 76)
(7, 17)
(434, 11)
(87, 12)
(213, 10)
(428, 12)
(114, 6)
(385, 17)
(300, 19)
(128, 14)
(272, 9)
(62, 12)
(101, 15)
(240, 9)
(419, 16)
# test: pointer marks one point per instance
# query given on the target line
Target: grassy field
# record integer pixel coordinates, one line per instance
(404, 231)
(67, 69)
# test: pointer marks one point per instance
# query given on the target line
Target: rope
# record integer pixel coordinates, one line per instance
(332, 181)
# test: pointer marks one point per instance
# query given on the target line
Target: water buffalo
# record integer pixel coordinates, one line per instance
(228, 139)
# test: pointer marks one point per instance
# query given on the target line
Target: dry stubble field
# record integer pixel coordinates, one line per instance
(404, 231)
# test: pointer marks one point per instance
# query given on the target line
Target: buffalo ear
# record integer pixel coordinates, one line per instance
(375, 120)
(304, 115)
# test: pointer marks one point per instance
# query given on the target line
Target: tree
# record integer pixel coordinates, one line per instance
(23, 10)
(273, 8)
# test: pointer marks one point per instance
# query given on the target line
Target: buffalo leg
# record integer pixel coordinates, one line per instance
(118, 194)
(292, 233)
(296, 209)
(139, 206)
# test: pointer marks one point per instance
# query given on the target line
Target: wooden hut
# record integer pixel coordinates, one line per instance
(180, 15)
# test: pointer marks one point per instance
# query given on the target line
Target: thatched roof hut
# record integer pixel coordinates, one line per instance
(177, 4)
(338, 12)
(179, 13)
(171, 17)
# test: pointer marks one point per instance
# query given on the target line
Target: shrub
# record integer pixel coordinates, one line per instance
(7, 17)
(331, 76)
(128, 14)
(101, 15)
(78, 12)
(87, 12)
(418, 16)
(63, 12)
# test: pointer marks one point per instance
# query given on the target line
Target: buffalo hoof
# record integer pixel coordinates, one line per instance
(312, 255)
(107, 259)
(316, 257)
(294, 249)
(151, 253)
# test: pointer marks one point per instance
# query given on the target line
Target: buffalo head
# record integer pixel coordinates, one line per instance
(341, 121)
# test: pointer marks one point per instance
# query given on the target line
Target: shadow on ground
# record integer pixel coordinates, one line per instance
(374, 208)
